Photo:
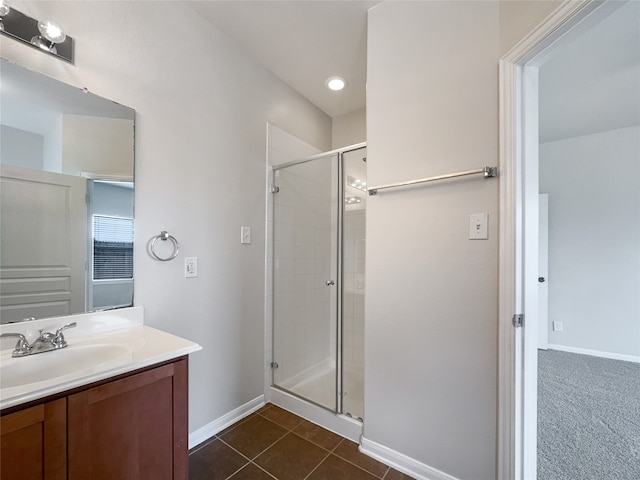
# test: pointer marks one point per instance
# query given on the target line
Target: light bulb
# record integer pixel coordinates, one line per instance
(336, 83)
(4, 9)
(50, 34)
(51, 31)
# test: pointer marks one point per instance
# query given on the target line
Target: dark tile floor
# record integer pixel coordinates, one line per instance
(274, 443)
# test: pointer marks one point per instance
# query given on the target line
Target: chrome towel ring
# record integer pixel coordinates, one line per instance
(164, 236)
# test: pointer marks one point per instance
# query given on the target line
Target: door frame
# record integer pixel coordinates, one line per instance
(518, 236)
(543, 271)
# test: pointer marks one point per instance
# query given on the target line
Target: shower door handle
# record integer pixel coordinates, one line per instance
(330, 282)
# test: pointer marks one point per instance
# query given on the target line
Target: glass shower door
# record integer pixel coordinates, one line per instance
(354, 168)
(305, 280)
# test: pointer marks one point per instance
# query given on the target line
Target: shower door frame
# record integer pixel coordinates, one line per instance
(339, 313)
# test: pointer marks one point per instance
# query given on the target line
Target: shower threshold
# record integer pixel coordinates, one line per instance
(343, 425)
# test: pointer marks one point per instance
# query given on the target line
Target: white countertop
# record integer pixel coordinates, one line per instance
(121, 331)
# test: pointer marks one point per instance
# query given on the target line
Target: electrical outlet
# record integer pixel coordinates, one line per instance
(557, 326)
(190, 267)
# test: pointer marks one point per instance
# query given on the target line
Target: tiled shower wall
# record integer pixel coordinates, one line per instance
(353, 296)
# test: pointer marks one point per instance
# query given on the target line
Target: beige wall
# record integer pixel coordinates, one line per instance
(431, 304)
(349, 129)
(97, 145)
(21, 148)
(519, 17)
(201, 111)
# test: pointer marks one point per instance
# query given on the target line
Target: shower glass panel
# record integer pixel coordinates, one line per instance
(354, 177)
(305, 280)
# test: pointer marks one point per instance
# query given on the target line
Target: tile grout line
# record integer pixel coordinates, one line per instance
(317, 444)
(236, 450)
(200, 446)
(316, 467)
(329, 452)
(260, 452)
(237, 471)
(250, 460)
(230, 428)
(291, 430)
(260, 468)
(288, 430)
(332, 451)
(356, 465)
(362, 468)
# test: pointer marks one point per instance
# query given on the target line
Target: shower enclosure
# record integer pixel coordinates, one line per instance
(318, 279)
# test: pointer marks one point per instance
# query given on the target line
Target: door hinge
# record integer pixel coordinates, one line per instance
(517, 320)
(274, 365)
(275, 189)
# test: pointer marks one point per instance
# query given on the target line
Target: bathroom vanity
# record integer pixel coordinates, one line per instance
(121, 414)
(108, 398)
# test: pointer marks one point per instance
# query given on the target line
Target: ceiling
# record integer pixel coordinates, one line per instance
(591, 83)
(303, 42)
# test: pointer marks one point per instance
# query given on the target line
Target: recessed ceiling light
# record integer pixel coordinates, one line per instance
(336, 83)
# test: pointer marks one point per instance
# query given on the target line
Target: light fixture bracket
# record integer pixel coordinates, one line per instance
(23, 28)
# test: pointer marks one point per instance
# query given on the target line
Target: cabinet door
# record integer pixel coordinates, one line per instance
(133, 428)
(34, 443)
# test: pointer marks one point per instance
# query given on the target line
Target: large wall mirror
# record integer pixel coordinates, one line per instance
(66, 198)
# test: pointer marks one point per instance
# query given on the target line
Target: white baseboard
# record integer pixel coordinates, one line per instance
(401, 462)
(210, 429)
(595, 353)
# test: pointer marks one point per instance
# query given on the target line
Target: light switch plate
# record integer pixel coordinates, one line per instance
(479, 226)
(245, 235)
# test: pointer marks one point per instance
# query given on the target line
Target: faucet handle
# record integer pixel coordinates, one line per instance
(59, 337)
(22, 345)
(65, 327)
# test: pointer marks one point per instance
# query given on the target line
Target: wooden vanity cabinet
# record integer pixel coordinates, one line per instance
(34, 442)
(133, 427)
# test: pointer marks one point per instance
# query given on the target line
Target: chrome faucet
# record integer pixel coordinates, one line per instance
(46, 342)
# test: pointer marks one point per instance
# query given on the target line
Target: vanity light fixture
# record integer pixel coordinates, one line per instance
(50, 34)
(336, 83)
(4, 10)
(44, 35)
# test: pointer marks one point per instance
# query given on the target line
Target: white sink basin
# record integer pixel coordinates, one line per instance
(57, 364)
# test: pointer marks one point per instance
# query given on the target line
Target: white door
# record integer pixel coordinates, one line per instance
(43, 250)
(543, 271)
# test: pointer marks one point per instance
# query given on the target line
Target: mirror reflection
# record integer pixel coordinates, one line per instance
(66, 198)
